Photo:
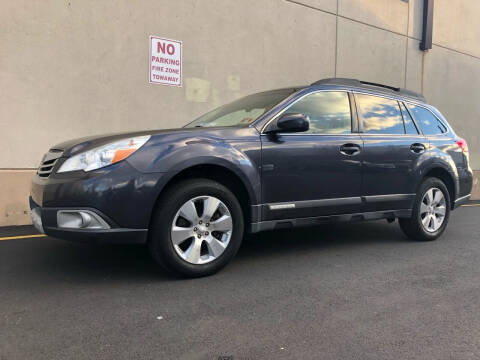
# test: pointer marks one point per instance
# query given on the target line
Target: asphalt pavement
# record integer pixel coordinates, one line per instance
(339, 291)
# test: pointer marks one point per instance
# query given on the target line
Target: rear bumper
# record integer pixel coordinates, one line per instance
(45, 221)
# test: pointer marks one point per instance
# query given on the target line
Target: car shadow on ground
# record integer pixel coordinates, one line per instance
(47, 259)
(330, 235)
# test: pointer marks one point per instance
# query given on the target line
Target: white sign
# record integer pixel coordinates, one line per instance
(165, 61)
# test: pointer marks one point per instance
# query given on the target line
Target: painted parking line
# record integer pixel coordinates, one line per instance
(22, 237)
(471, 205)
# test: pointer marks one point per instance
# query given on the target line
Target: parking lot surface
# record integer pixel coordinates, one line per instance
(340, 291)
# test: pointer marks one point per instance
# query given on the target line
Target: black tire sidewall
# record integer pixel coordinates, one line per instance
(160, 243)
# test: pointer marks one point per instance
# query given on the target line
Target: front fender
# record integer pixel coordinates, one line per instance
(237, 152)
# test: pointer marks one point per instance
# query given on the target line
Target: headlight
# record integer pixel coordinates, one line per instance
(104, 155)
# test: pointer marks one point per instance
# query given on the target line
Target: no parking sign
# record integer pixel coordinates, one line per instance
(165, 61)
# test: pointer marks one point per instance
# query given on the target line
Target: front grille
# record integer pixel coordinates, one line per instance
(48, 162)
(46, 167)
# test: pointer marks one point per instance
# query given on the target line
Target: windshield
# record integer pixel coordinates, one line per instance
(242, 112)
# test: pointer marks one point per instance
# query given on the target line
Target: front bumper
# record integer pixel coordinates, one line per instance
(120, 195)
(36, 217)
(44, 220)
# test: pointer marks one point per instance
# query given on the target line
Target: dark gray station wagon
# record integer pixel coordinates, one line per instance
(338, 149)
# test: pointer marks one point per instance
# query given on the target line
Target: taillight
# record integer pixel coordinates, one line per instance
(462, 144)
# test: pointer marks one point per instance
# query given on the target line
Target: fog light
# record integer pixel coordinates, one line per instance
(80, 219)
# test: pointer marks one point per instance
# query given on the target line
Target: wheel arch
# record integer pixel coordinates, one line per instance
(220, 174)
(447, 178)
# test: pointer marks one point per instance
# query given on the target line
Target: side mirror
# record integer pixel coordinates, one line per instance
(290, 123)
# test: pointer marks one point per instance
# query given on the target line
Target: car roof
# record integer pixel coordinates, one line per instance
(371, 87)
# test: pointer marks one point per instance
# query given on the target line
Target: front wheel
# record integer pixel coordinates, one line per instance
(197, 228)
(430, 213)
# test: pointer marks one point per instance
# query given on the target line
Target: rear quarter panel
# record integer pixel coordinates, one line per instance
(446, 144)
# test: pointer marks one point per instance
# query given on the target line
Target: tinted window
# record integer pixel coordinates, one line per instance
(410, 127)
(379, 115)
(329, 112)
(429, 124)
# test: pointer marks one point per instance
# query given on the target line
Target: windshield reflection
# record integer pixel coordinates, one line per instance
(242, 112)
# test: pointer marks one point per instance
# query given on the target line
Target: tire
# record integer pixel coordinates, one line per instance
(422, 226)
(211, 245)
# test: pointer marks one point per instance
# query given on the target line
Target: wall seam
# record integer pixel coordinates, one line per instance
(423, 71)
(457, 51)
(336, 42)
(406, 47)
(311, 7)
(380, 28)
(344, 17)
(19, 168)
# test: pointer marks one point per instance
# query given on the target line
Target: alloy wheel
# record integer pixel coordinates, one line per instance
(201, 229)
(432, 209)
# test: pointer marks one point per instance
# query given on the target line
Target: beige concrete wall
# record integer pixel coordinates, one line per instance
(385, 14)
(14, 186)
(74, 68)
(370, 54)
(456, 25)
(476, 185)
(80, 67)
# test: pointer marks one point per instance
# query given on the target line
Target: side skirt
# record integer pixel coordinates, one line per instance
(312, 221)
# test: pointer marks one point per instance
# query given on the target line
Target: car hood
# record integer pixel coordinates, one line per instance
(75, 146)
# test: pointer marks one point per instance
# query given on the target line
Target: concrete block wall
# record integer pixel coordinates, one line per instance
(80, 67)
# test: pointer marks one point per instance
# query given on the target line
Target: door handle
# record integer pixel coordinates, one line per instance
(417, 148)
(350, 149)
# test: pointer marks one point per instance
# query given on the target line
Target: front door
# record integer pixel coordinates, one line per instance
(317, 172)
(392, 149)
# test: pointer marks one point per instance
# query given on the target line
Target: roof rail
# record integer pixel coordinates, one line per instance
(369, 85)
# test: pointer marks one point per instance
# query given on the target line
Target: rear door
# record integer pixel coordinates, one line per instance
(392, 148)
(317, 172)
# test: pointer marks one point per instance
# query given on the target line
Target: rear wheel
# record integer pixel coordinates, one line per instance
(430, 213)
(197, 228)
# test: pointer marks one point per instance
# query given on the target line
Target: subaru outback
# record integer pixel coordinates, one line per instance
(336, 150)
